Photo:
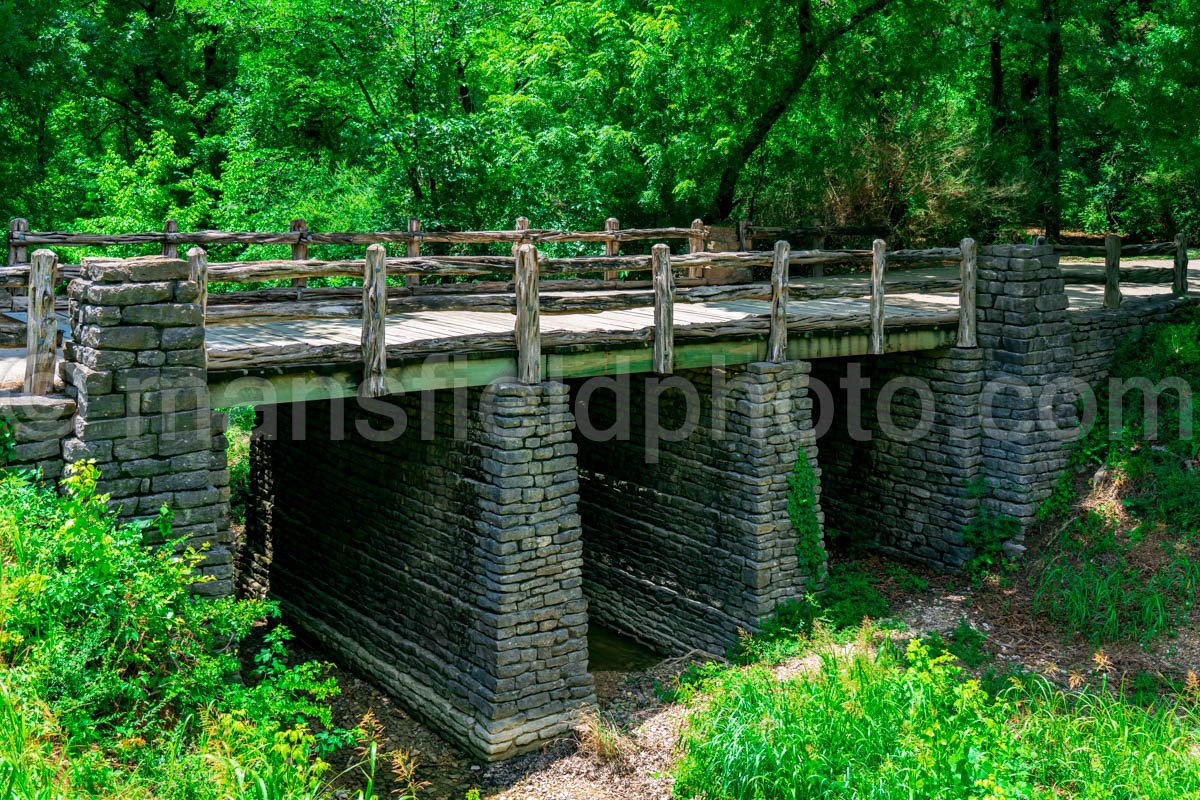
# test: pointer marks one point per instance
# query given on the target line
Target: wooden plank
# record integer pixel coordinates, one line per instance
(374, 323)
(966, 295)
(1112, 271)
(1180, 283)
(528, 326)
(299, 251)
(664, 310)
(41, 341)
(777, 341)
(169, 248)
(878, 268)
(612, 248)
(17, 252)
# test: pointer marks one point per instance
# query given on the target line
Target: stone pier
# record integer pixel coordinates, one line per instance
(433, 542)
(687, 539)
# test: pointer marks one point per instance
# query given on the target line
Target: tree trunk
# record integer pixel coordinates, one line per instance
(998, 113)
(1053, 171)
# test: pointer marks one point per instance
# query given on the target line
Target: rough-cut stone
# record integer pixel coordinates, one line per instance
(688, 542)
(413, 560)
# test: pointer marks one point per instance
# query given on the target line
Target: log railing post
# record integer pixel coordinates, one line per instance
(743, 234)
(664, 310)
(818, 243)
(170, 249)
(696, 245)
(374, 322)
(41, 340)
(1180, 283)
(17, 252)
(198, 274)
(612, 247)
(1112, 271)
(777, 339)
(299, 251)
(528, 327)
(412, 250)
(878, 268)
(522, 225)
(966, 294)
(197, 260)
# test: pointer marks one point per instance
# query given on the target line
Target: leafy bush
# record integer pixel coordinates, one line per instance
(802, 510)
(1124, 562)
(118, 681)
(875, 725)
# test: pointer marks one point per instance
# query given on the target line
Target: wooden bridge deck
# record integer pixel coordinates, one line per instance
(317, 358)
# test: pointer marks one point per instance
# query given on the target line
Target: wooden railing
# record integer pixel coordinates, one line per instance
(523, 296)
(1113, 276)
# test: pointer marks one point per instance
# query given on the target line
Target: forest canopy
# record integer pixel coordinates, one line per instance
(940, 119)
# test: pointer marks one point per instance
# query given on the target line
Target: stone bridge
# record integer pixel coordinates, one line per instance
(454, 541)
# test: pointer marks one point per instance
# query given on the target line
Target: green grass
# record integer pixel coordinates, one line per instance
(116, 681)
(1129, 569)
(872, 723)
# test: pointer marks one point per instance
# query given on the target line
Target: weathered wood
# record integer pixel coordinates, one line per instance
(1094, 274)
(612, 248)
(169, 248)
(298, 354)
(521, 226)
(1112, 271)
(777, 340)
(966, 295)
(412, 250)
(1151, 249)
(299, 251)
(198, 274)
(696, 245)
(260, 271)
(743, 234)
(1180, 283)
(17, 252)
(664, 310)
(813, 230)
(344, 303)
(374, 322)
(878, 268)
(531, 235)
(41, 341)
(528, 326)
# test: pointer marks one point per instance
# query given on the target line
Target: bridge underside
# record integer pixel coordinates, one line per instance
(452, 544)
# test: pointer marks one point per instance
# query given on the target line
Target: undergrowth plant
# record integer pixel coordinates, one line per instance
(1122, 561)
(802, 510)
(873, 723)
(117, 681)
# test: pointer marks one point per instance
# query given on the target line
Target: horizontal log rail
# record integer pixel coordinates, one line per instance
(530, 235)
(1150, 249)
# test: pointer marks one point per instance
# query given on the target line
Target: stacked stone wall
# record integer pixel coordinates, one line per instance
(687, 539)
(135, 369)
(907, 488)
(443, 559)
(37, 426)
(1097, 333)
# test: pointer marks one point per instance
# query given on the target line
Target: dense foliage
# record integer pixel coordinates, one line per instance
(115, 681)
(939, 118)
(872, 723)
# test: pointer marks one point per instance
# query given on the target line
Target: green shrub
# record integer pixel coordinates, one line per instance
(118, 681)
(802, 510)
(882, 725)
(241, 423)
